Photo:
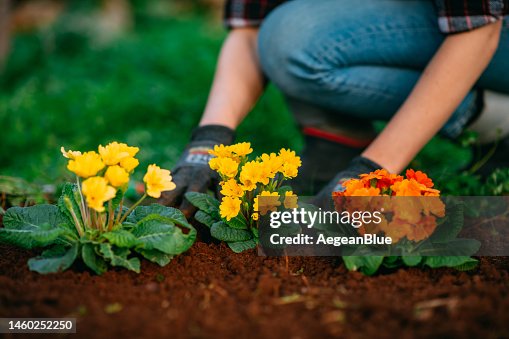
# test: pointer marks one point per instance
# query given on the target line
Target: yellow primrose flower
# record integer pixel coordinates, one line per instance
(86, 165)
(225, 166)
(97, 191)
(231, 188)
(263, 173)
(241, 149)
(116, 176)
(114, 152)
(221, 151)
(229, 208)
(69, 154)
(270, 202)
(255, 216)
(249, 175)
(129, 164)
(290, 170)
(290, 200)
(158, 180)
(132, 150)
(289, 157)
(273, 162)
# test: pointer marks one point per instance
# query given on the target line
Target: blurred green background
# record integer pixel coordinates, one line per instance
(82, 73)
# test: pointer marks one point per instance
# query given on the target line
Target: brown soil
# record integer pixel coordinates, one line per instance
(212, 292)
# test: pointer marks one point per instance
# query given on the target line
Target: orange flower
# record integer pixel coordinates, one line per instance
(407, 208)
(433, 205)
(366, 192)
(397, 229)
(423, 229)
(378, 174)
(430, 192)
(352, 185)
(408, 188)
(420, 177)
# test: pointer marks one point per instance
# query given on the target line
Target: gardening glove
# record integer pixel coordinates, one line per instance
(357, 166)
(192, 172)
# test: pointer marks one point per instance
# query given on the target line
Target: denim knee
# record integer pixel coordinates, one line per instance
(288, 45)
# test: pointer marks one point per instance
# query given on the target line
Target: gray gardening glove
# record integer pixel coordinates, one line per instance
(357, 166)
(192, 172)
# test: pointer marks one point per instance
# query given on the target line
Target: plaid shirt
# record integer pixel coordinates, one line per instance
(453, 15)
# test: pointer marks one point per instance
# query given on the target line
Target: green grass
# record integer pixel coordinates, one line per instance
(147, 89)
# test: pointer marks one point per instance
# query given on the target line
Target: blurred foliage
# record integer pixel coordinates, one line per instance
(18, 192)
(147, 88)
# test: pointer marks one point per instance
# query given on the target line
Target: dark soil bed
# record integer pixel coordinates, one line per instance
(212, 292)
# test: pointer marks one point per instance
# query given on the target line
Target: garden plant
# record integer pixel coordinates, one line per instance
(91, 222)
(243, 181)
(423, 226)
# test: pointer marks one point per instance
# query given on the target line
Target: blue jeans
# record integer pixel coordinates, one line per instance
(361, 59)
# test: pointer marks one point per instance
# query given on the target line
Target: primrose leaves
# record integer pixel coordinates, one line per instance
(53, 260)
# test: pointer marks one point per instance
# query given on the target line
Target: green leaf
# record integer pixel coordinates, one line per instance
(238, 222)
(221, 231)
(70, 193)
(283, 189)
(55, 259)
(173, 214)
(158, 257)
(367, 265)
(457, 247)
(203, 202)
(30, 238)
(115, 202)
(449, 228)
(35, 226)
(162, 235)
(467, 265)
(450, 261)
(411, 260)
(118, 257)
(92, 259)
(32, 217)
(121, 238)
(241, 246)
(205, 218)
(392, 261)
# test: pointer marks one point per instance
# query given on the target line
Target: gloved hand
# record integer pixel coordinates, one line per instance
(192, 172)
(357, 166)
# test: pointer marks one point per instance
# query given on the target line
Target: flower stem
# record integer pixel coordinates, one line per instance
(119, 214)
(132, 208)
(70, 208)
(110, 216)
(83, 209)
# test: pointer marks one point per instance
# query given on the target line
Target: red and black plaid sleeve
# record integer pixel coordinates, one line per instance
(248, 13)
(456, 16)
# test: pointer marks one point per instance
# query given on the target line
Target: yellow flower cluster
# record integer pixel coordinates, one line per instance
(243, 180)
(107, 171)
